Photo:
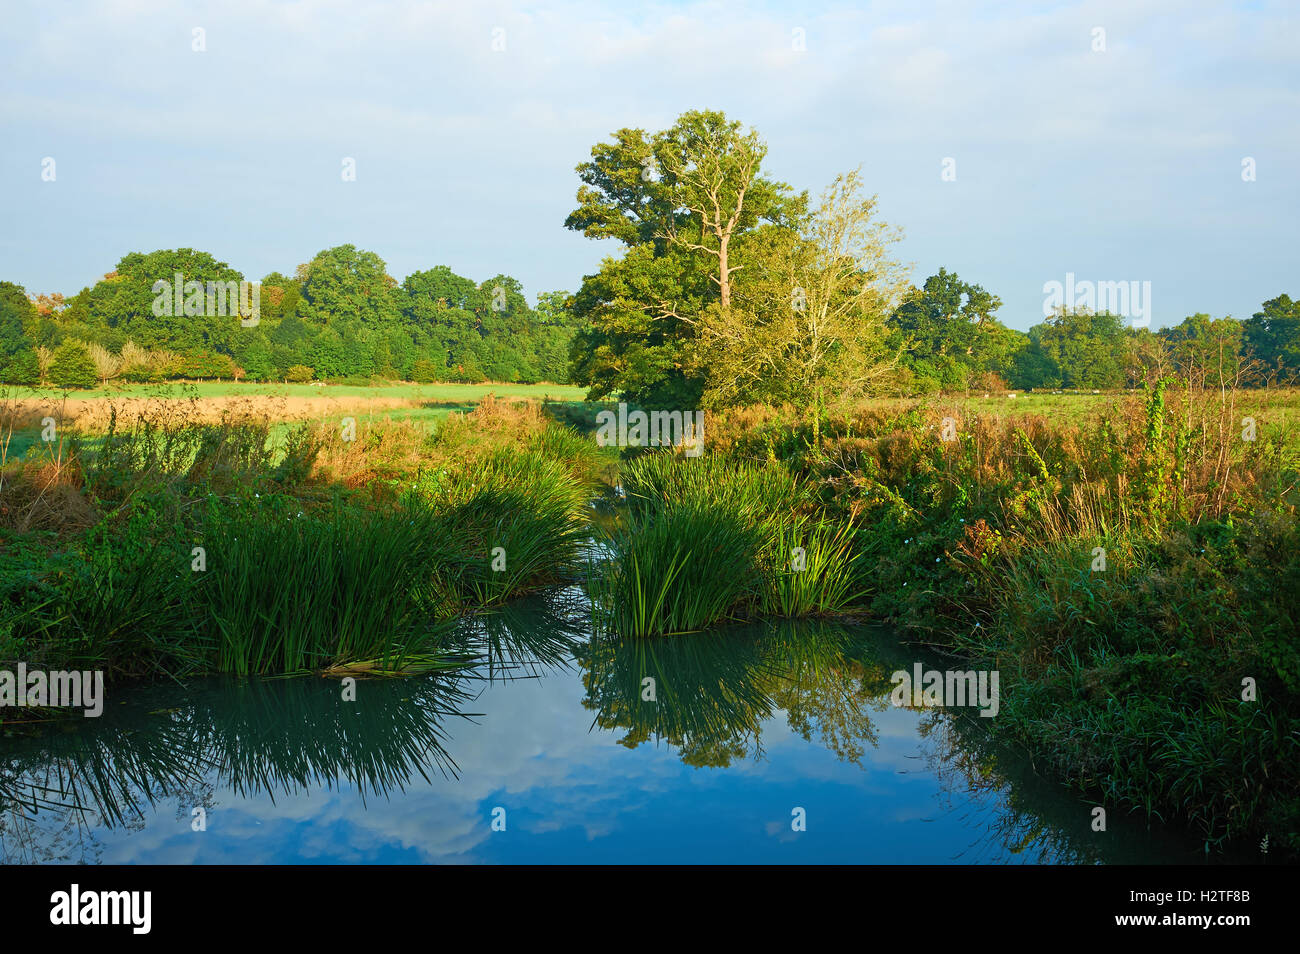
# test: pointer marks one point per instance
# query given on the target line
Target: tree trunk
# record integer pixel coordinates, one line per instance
(724, 276)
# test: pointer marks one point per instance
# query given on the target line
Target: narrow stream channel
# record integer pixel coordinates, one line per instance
(552, 737)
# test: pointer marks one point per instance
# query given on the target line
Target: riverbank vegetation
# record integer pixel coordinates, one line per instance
(1131, 576)
(171, 546)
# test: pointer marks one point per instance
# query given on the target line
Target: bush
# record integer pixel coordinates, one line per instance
(299, 374)
(141, 374)
(72, 367)
(24, 369)
(424, 372)
(218, 366)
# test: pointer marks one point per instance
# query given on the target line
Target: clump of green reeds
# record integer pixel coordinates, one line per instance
(513, 522)
(676, 569)
(705, 540)
(286, 593)
(812, 569)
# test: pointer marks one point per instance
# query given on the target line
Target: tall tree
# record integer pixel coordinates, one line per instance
(809, 316)
(347, 285)
(1076, 348)
(949, 335)
(1272, 335)
(681, 200)
(17, 314)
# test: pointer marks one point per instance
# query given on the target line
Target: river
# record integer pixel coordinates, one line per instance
(764, 743)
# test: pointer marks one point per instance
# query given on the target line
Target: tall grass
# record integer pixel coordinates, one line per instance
(705, 540)
(677, 569)
(513, 523)
(321, 555)
(823, 578)
(285, 593)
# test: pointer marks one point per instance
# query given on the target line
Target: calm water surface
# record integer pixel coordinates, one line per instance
(553, 734)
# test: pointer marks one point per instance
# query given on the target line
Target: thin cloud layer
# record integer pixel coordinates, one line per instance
(466, 121)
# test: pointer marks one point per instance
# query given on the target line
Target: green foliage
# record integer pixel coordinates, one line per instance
(948, 334)
(71, 367)
(286, 581)
(512, 523)
(641, 188)
(287, 592)
(23, 369)
(214, 366)
(424, 372)
(705, 540)
(1075, 349)
(341, 315)
(16, 315)
(685, 567)
(1272, 335)
(811, 568)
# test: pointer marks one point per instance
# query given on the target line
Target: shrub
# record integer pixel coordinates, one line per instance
(24, 369)
(141, 374)
(424, 372)
(218, 366)
(299, 374)
(72, 367)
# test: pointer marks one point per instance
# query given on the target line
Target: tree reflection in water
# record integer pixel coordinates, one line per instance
(712, 692)
(715, 696)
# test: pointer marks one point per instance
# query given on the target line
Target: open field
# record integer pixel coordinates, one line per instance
(1277, 406)
(209, 401)
(441, 392)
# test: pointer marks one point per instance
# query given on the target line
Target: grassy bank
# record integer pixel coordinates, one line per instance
(1132, 576)
(168, 545)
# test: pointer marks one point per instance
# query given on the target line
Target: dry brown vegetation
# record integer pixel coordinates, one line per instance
(93, 414)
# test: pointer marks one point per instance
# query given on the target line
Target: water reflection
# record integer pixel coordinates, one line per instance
(754, 719)
(710, 695)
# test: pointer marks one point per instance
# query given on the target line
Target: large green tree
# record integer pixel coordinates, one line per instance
(1204, 350)
(137, 302)
(682, 201)
(948, 334)
(17, 315)
(1075, 348)
(348, 286)
(1272, 336)
(807, 323)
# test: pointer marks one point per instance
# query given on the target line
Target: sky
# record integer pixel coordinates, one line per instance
(1117, 141)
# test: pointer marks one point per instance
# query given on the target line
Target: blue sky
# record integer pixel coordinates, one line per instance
(1123, 164)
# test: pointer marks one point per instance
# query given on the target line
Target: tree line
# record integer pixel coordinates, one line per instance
(730, 287)
(340, 316)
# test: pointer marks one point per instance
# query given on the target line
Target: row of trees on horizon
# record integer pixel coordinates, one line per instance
(341, 316)
(730, 288)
